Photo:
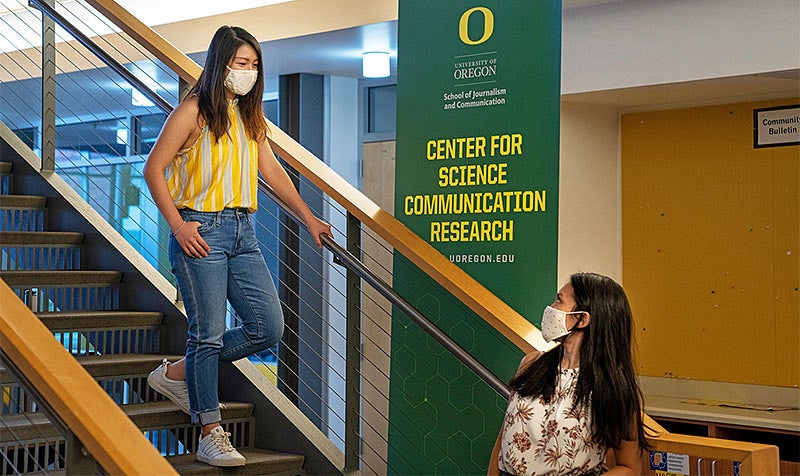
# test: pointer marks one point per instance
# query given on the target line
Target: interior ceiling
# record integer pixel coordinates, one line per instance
(318, 43)
(754, 87)
(332, 34)
(338, 53)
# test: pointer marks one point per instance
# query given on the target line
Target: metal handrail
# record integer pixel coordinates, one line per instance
(354, 264)
(115, 65)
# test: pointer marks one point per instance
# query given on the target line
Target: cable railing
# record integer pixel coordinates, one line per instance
(376, 382)
(104, 163)
(334, 361)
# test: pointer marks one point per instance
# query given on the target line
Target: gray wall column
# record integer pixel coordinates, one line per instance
(301, 111)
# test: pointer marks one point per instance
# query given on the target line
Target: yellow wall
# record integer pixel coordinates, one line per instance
(710, 245)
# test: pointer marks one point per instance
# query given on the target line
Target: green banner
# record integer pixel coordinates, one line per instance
(477, 177)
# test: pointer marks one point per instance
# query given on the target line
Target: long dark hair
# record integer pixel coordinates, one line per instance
(210, 87)
(607, 381)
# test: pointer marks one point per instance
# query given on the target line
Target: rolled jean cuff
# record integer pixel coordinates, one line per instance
(211, 416)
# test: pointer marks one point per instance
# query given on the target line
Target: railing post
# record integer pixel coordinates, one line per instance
(32, 299)
(48, 92)
(77, 460)
(352, 423)
(183, 88)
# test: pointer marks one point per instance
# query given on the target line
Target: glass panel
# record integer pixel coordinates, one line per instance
(146, 130)
(382, 109)
(28, 136)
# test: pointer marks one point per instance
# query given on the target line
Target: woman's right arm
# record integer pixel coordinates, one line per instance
(493, 469)
(179, 127)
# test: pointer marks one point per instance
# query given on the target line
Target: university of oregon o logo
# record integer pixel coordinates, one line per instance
(488, 25)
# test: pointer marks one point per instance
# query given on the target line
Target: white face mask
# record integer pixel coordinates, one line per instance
(241, 81)
(554, 323)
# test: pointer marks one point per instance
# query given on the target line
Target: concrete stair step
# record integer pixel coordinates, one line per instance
(258, 462)
(36, 426)
(112, 365)
(22, 201)
(5, 168)
(36, 238)
(60, 278)
(62, 321)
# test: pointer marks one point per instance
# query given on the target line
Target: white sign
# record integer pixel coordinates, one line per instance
(677, 463)
(776, 126)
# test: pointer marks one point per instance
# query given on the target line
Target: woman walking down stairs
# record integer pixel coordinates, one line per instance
(87, 312)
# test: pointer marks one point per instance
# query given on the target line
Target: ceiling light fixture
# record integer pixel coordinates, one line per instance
(375, 64)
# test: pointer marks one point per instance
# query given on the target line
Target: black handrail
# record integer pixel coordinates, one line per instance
(157, 100)
(353, 263)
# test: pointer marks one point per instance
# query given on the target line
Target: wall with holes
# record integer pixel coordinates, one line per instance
(710, 245)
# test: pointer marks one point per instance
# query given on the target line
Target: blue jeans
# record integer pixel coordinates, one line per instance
(234, 271)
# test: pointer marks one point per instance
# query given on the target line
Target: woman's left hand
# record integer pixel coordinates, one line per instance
(318, 227)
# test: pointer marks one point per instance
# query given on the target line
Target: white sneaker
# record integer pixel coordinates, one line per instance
(175, 390)
(216, 449)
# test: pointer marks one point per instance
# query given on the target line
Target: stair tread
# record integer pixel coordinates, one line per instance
(99, 319)
(27, 426)
(168, 411)
(111, 365)
(22, 201)
(40, 238)
(262, 462)
(258, 462)
(57, 277)
(148, 416)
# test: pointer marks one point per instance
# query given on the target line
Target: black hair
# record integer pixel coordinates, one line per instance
(210, 87)
(606, 381)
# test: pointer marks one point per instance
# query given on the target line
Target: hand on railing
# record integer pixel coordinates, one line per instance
(318, 228)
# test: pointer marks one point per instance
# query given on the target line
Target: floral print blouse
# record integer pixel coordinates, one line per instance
(550, 439)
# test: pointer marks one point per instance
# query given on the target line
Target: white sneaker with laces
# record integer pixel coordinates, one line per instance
(216, 449)
(175, 390)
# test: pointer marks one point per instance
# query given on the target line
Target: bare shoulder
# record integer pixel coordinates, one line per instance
(187, 109)
(185, 121)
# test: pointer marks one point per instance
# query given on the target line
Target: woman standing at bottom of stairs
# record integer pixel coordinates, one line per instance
(203, 176)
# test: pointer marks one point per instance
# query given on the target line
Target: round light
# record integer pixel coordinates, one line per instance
(375, 64)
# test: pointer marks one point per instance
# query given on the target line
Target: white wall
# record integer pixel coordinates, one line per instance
(589, 221)
(645, 42)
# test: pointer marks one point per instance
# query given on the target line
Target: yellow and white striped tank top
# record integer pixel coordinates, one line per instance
(210, 176)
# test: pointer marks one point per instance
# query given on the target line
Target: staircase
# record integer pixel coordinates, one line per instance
(117, 346)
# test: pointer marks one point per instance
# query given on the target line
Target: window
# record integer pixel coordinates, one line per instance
(382, 108)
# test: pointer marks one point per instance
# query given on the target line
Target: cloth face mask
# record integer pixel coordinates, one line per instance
(554, 323)
(240, 81)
